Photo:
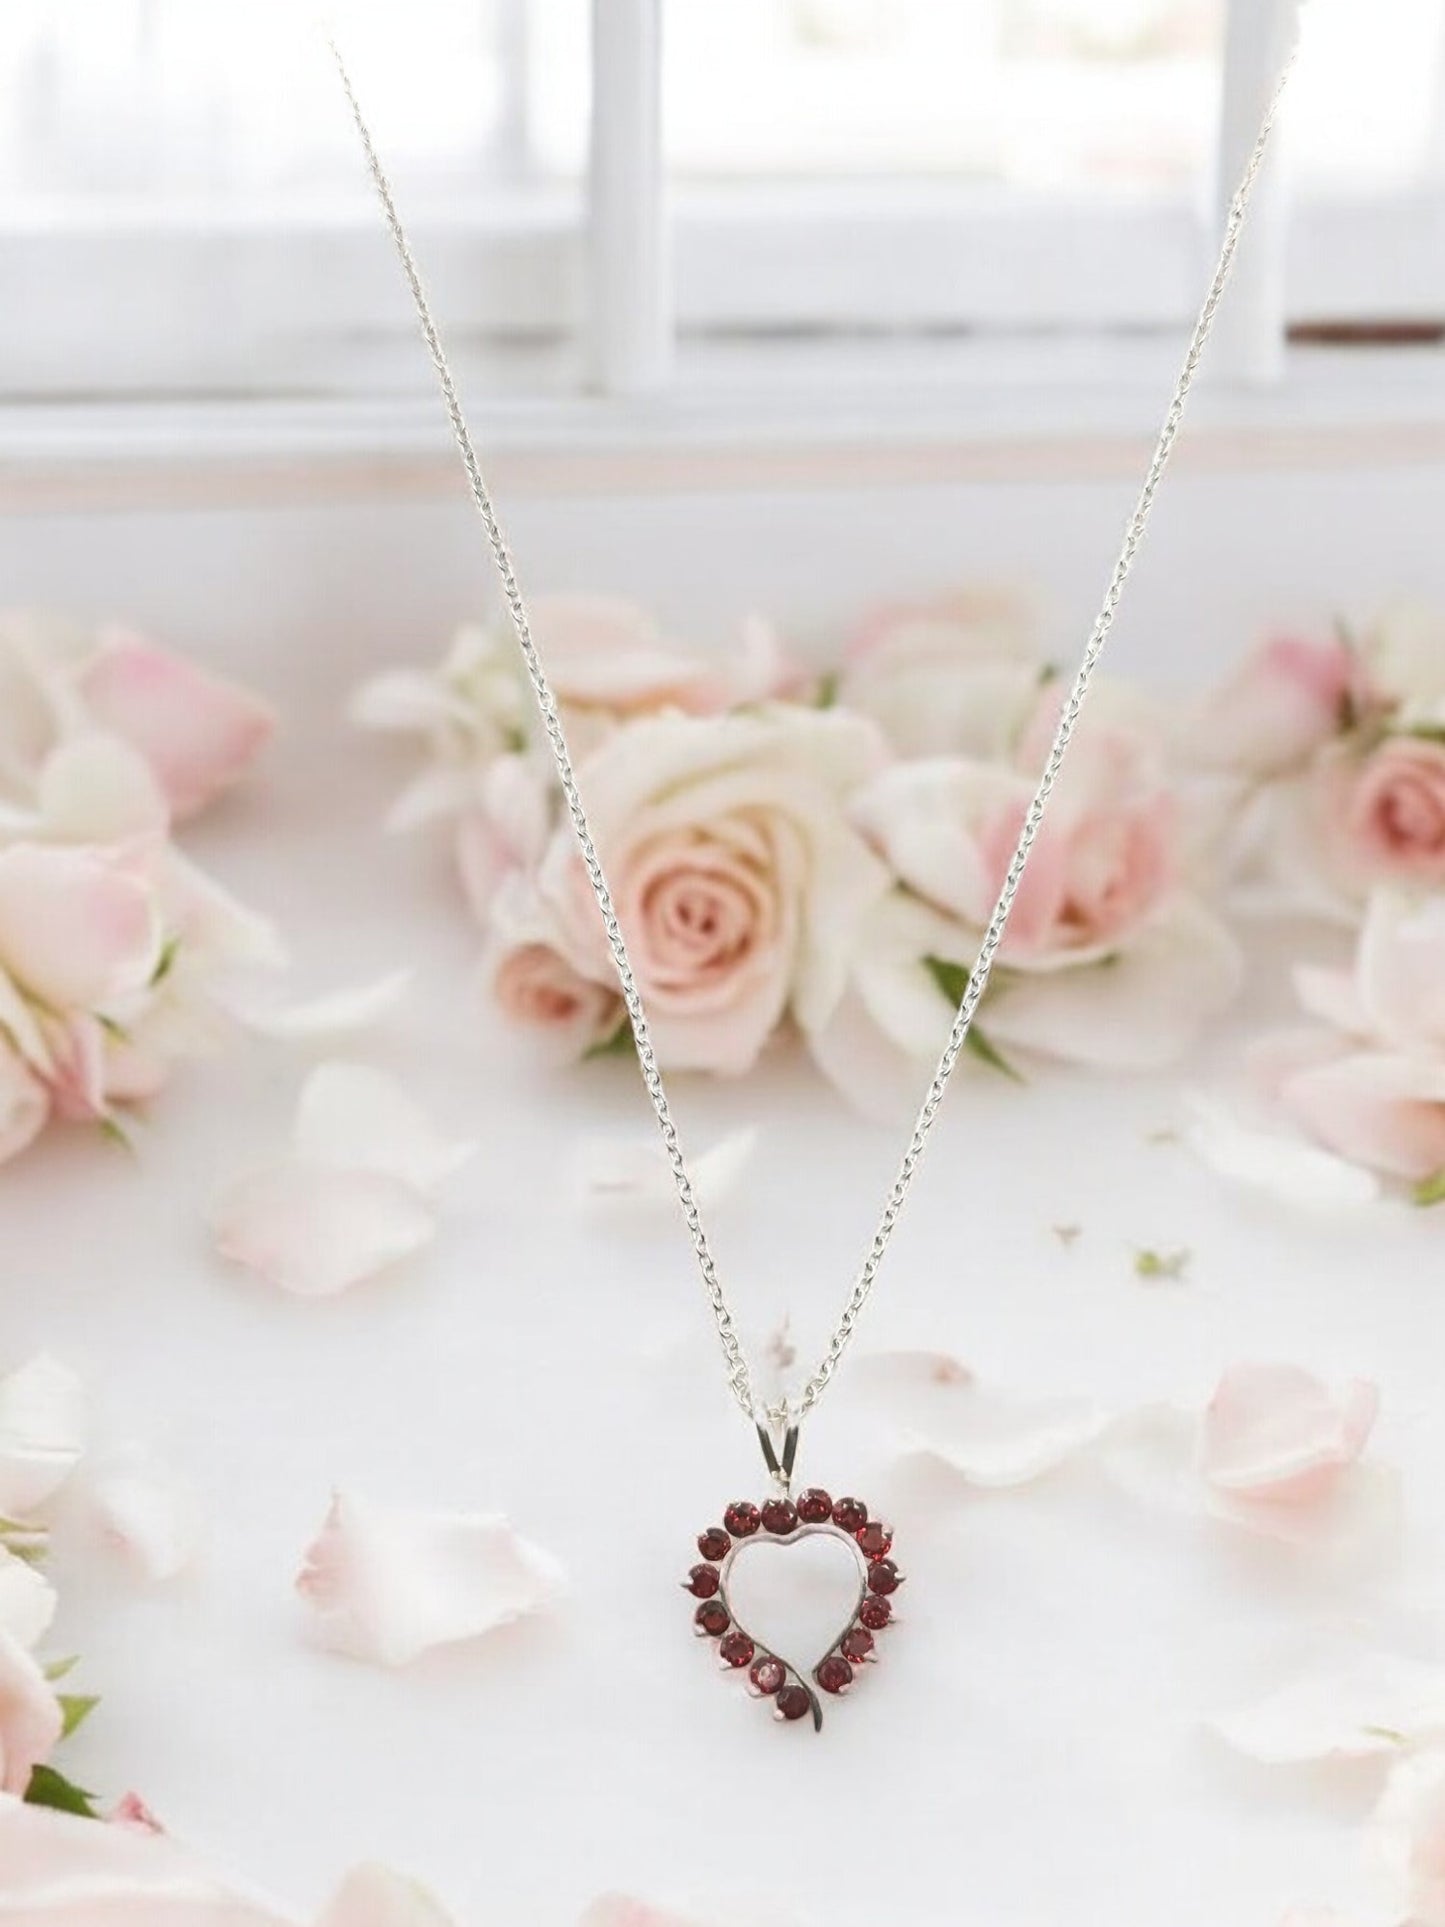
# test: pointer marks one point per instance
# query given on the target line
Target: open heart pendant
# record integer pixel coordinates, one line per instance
(792, 1687)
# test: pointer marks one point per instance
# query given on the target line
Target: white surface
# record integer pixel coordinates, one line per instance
(1028, 1754)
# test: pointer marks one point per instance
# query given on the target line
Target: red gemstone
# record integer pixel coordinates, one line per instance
(714, 1543)
(835, 1675)
(737, 1649)
(875, 1612)
(713, 1618)
(702, 1582)
(876, 1538)
(815, 1507)
(768, 1676)
(793, 1702)
(857, 1644)
(850, 1514)
(780, 1515)
(884, 1576)
(742, 1519)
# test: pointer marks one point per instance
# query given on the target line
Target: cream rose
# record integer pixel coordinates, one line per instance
(735, 873)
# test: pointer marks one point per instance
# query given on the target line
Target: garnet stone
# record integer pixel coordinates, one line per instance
(835, 1675)
(702, 1582)
(714, 1544)
(737, 1649)
(857, 1644)
(884, 1576)
(768, 1676)
(851, 1515)
(712, 1618)
(875, 1612)
(780, 1516)
(793, 1702)
(742, 1519)
(876, 1539)
(815, 1507)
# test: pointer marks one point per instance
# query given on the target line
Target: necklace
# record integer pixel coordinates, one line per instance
(815, 1514)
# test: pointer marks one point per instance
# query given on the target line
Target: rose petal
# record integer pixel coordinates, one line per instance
(635, 1171)
(1151, 1454)
(315, 1230)
(78, 930)
(1286, 1168)
(1363, 1705)
(387, 1584)
(97, 789)
(1275, 1432)
(356, 1119)
(1408, 1837)
(30, 1717)
(935, 1406)
(355, 1007)
(372, 1896)
(65, 1871)
(27, 1600)
(197, 732)
(42, 1433)
(145, 1512)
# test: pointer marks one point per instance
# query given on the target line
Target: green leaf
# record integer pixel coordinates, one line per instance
(619, 1044)
(51, 1789)
(825, 695)
(952, 979)
(58, 1668)
(1155, 1265)
(1430, 1190)
(76, 1708)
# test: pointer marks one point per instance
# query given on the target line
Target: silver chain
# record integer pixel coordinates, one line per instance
(788, 1413)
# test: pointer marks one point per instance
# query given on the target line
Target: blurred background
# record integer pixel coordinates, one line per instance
(774, 258)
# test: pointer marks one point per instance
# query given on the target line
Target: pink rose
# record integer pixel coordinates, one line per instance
(197, 731)
(1385, 812)
(605, 654)
(1287, 699)
(734, 872)
(538, 989)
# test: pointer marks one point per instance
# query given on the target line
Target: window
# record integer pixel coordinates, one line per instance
(183, 209)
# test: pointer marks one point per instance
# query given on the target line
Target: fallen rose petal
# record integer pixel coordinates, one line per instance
(27, 1600)
(1286, 1168)
(31, 1719)
(935, 1405)
(355, 1119)
(145, 1513)
(316, 1230)
(1365, 1705)
(388, 1583)
(635, 1171)
(338, 1012)
(372, 1896)
(1152, 1454)
(197, 732)
(42, 1433)
(1276, 1433)
(1408, 1836)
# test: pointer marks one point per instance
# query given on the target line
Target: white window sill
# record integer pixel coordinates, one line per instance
(784, 415)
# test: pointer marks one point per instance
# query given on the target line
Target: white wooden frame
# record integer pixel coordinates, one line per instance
(207, 310)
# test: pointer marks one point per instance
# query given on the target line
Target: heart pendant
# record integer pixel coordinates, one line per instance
(782, 1522)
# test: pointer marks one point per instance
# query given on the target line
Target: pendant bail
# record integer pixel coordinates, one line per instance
(779, 1463)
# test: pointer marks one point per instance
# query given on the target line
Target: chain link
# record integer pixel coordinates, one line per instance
(777, 1418)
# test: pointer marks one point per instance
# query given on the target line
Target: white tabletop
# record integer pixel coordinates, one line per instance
(1030, 1752)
